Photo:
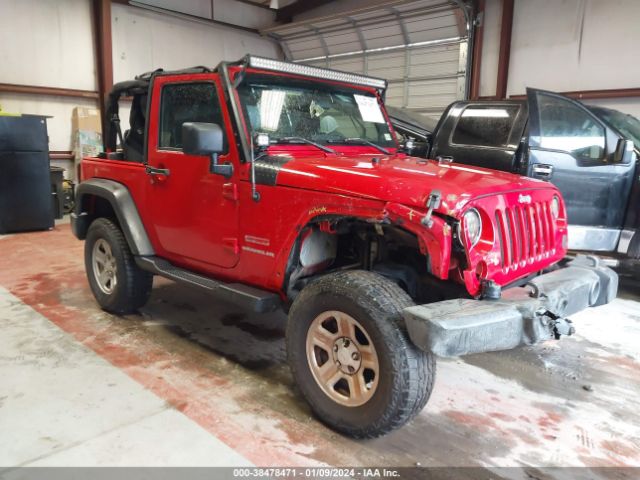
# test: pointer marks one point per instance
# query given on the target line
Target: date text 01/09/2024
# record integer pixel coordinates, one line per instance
(315, 472)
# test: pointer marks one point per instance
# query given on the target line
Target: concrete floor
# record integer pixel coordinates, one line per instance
(192, 381)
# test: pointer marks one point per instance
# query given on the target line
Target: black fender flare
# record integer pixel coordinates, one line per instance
(121, 202)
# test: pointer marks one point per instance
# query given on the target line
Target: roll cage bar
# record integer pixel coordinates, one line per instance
(134, 141)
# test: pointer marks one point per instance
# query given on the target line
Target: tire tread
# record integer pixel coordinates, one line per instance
(137, 282)
(380, 297)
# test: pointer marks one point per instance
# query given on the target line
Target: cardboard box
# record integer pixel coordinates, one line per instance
(86, 119)
(87, 134)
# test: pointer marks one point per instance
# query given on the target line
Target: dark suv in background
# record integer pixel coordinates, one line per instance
(587, 152)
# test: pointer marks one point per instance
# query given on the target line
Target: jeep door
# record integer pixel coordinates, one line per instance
(193, 213)
(484, 134)
(573, 149)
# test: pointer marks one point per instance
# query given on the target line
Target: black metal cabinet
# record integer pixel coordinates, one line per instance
(25, 187)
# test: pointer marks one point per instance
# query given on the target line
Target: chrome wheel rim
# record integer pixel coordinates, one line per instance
(104, 266)
(342, 358)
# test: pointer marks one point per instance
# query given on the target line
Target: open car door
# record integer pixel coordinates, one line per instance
(484, 134)
(576, 151)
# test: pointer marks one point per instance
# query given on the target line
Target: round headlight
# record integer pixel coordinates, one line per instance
(555, 206)
(472, 225)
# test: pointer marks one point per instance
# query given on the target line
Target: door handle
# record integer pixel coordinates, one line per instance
(161, 172)
(543, 170)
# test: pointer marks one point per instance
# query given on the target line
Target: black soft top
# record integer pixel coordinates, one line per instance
(132, 141)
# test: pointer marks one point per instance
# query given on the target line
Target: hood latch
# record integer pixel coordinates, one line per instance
(433, 201)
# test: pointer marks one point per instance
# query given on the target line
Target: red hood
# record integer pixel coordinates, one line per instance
(401, 179)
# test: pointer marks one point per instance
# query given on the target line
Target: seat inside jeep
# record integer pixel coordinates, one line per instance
(130, 145)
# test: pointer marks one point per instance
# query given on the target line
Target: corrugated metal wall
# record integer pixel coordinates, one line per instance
(420, 47)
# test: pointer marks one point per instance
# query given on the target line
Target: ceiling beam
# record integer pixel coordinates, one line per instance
(101, 11)
(286, 14)
(476, 57)
(49, 91)
(188, 16)
(505, 48)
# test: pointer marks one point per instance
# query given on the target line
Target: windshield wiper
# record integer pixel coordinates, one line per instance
(362, 141)
(304, 140)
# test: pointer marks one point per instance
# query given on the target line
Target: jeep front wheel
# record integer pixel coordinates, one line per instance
(350, 355)
(117, 283)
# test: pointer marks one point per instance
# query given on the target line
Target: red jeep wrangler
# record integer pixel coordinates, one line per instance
(278, 185)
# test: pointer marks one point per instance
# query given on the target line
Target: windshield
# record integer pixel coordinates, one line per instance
(626, 124)
(325, 114)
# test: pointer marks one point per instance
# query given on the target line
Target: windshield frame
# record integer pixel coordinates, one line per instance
(239, 75)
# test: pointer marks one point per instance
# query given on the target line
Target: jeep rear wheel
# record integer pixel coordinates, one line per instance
(117, 283)
(350, 355)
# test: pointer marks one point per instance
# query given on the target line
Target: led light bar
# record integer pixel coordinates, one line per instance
(316, 72)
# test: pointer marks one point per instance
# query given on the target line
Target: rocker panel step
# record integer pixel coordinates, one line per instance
(258, 300)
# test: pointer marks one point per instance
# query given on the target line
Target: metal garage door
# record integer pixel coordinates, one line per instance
(420, 47)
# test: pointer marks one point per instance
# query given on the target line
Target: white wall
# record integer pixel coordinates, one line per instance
(145, 40)
(490, 47)
(50, 43)
(47, 43)
(566, 45)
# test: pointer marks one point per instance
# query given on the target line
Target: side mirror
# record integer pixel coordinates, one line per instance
(200, 138)
(409, 146)
(624, 152)
(416, 148)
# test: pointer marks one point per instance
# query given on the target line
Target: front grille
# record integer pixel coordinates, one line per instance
(525, 233)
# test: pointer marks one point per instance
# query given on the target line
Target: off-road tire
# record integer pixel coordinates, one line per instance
(133, 286)
(406, 374)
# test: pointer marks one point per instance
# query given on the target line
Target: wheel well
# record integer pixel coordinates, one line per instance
(327, 245)
(99, 197)
(94, 206)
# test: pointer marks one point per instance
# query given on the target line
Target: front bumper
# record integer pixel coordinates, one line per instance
(522, 316)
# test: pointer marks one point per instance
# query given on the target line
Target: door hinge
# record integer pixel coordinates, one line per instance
(433, 201)
(231, 243)
(230, 191)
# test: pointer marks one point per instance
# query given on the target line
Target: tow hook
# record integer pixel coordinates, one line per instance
(490, 290)
(560, 325)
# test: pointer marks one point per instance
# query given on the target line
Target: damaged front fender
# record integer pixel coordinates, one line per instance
(434, 235)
